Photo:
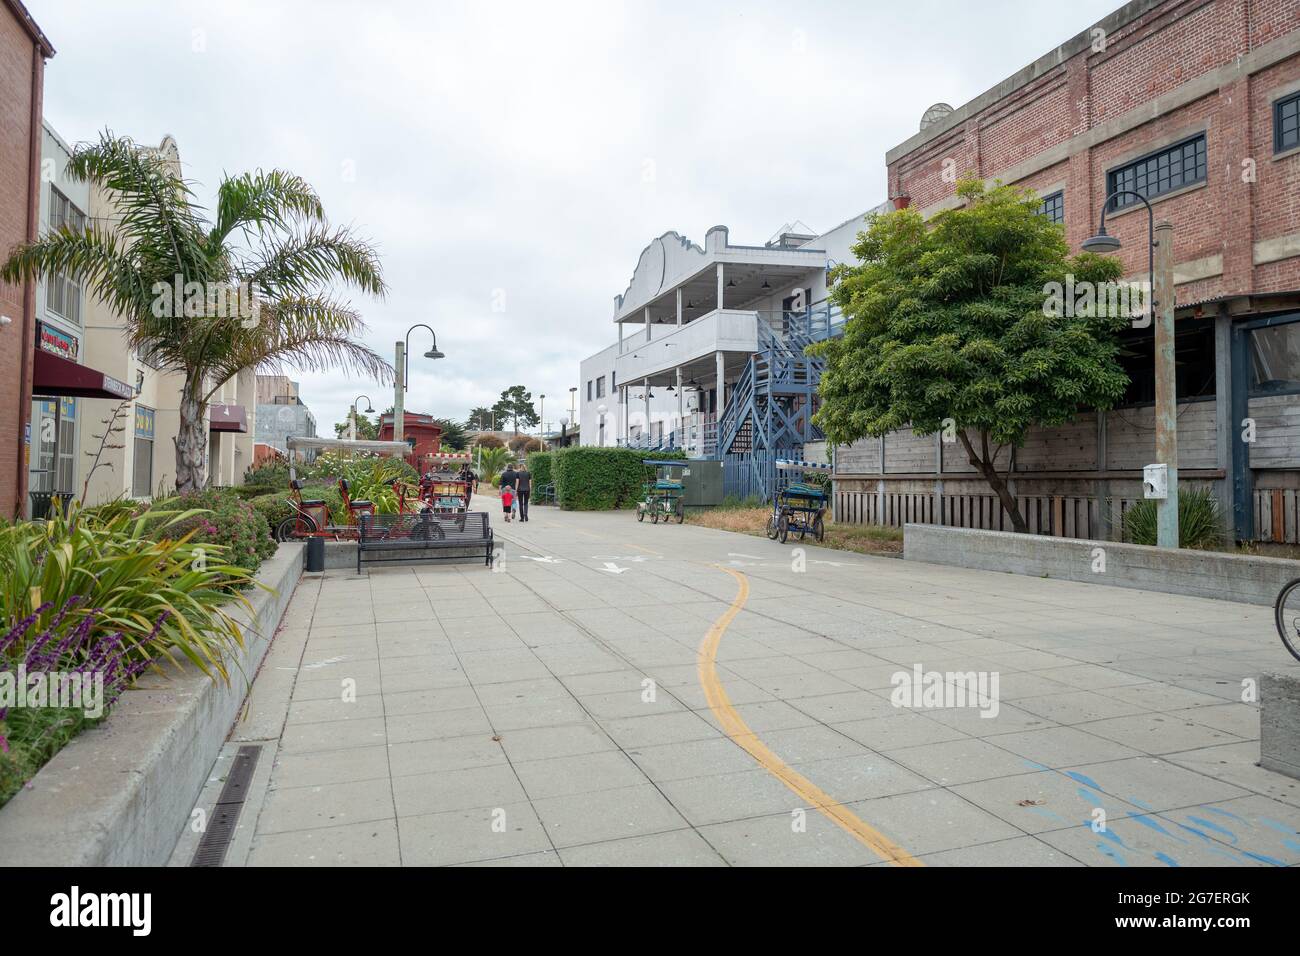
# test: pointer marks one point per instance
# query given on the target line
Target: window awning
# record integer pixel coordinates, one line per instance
(227, 418)
(54, 376)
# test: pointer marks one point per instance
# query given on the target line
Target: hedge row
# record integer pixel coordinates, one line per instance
(595, 479)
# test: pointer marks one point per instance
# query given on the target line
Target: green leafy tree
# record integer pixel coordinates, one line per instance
(453, 434)
(516, 405)
(251, 286)
(951, 329)
(367, 428)
(480, 419)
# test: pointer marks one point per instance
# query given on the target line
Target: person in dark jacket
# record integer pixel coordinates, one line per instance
(507, 480)
(523, 490)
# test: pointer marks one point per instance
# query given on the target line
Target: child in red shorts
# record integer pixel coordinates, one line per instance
(507, 500)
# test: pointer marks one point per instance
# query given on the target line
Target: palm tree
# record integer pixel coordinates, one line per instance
(173, 275)
(492, 461)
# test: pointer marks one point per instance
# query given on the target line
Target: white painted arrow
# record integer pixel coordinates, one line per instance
(612, 568)
(737, 554)
(547, 559)
(620, 557)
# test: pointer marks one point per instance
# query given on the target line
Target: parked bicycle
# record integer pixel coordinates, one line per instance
(1286, 614)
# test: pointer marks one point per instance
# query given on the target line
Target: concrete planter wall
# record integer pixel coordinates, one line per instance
(120, 794)
(1227, 577)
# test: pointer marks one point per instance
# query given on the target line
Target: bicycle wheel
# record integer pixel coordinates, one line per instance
(782, 528)
(819, 529)
(1286, 614)
(681, 513)
(640, 512)
(771, 527)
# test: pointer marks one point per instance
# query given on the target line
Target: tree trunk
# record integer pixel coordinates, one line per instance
(986, 467)
(191, 439)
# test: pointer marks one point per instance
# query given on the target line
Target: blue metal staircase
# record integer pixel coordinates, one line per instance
(769, 409)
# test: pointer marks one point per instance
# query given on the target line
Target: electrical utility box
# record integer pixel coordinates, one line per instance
(701, 483)
(1155, 481)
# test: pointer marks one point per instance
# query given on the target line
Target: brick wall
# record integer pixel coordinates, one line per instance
(1179, 67)
(17, 61)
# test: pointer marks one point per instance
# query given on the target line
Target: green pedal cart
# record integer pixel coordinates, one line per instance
(798, 507)
(662, 498)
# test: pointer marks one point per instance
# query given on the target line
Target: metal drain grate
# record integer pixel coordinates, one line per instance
(225, 815)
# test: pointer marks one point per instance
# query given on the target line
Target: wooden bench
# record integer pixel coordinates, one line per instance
(425, 537)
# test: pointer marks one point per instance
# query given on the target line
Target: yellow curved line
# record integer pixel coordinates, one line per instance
(736, 728)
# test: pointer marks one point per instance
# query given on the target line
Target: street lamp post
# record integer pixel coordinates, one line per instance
(541, 420)
(573, 405)
(1160, 265)
(402, 367)
(369, 411)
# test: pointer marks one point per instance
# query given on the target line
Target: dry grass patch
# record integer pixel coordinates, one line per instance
(863, 538)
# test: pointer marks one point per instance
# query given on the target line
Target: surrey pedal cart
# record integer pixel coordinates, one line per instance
(662, 498)
(310, 518)
(441, 486)
(798, 506)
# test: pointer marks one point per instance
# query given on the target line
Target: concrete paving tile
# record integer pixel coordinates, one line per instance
(325, 805)
(1148, 840)
(958, 761)
(906, 729)
(429, 701)
(738, 692)
(1040, 801)
(927, 821)
(445, 790)
(544, 743)
(796, 686)
(851, 705)
(579, 773)
(1151, 696)
(1017, 852)
(1077, 706)
(1062, 746)
(449, 753)
(522, 691)
(1238, 764)
(607, 815)
(541, 713)
(1240, 720)
(1263, 830)
(860, 777)
(652, 729)
(373, 843)
(630, 703)
(333, 766)
(970, 720)
(774, 841)
(333, 735)
(621, 681)
(366, 705)
(545, 858)
(674, 848)
(472, 835)
(692, 758)
(729, 796)
(1153, 784)
(1158, 733)
(765, 715)
(816, 742)
(460, 722)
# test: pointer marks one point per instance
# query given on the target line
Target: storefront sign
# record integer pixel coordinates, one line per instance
(60, 343)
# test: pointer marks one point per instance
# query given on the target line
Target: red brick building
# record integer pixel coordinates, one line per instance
(23, 52)
(1196, 104)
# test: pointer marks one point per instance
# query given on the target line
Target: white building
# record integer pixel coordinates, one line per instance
(690, 324)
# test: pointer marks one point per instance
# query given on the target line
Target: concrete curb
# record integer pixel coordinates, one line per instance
(1207, 574)
(120, 794)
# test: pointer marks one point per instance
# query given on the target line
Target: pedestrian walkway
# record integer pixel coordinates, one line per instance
(620, 693)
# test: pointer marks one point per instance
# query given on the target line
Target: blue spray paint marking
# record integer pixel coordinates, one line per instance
(1203, 836)
(1147, 821)
(1271, 861)
(1090, 797)
(1114, 855)
(1085, 780)
(1138, 803)
(1211, 825)
(1167, 860)
(1225, 813)
(1108, 833)
(1035, 766)
(1278, 825)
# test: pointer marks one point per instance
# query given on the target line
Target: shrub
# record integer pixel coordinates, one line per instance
(274, 508)
(220, 517)
(1200, 522)
(541, 464)
(77, 651)
(272, 473)
(524, 444)
(600, 479)
(488, 441)
(130, 572)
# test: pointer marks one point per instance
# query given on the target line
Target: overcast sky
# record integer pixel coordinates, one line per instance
(511, 160)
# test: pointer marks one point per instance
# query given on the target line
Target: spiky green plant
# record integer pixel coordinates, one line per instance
(1200, 521)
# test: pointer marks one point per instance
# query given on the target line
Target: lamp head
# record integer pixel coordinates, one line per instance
(1102, 242)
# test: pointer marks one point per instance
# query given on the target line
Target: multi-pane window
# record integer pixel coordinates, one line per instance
(600, 387)
(1163, 171)
(589, 392)
(1053, 207)
(62, 295)
(64, 213)
(1286, 123)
